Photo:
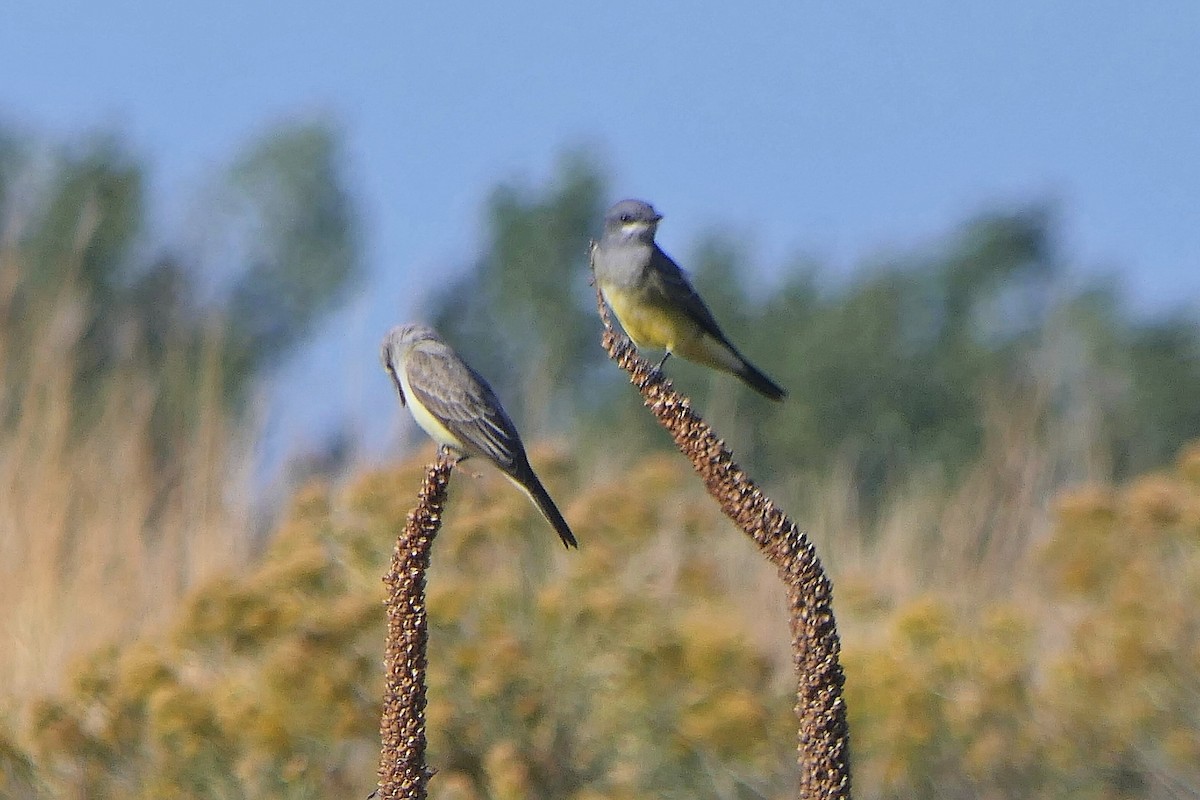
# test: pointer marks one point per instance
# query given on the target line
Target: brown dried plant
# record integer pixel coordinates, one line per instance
(823, 746)
(100, 539)
(403, 774)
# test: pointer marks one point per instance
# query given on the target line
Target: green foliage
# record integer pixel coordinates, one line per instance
(302, 255)
(1164, 359)
(75, 220)
(18, 773)
(895, 366)
(1123, 387)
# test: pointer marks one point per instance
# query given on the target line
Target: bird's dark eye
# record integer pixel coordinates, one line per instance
(627, 218)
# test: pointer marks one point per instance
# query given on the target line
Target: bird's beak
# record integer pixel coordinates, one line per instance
(657, 217)
(391, 371)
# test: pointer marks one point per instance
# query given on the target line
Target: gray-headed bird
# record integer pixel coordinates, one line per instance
(654, 301)
(459, 411)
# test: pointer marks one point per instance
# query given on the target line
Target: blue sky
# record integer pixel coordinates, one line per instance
(837, 130)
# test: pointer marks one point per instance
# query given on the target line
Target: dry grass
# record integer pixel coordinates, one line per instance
(97, 542)
(972, 536)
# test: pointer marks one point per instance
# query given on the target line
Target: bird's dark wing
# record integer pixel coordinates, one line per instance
(462, 401)
(669, 281)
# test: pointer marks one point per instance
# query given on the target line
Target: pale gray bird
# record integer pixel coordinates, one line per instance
(654, 301)
(459, 411)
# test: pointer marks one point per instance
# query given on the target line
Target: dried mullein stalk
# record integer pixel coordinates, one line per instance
(823, 752)
(402, 769)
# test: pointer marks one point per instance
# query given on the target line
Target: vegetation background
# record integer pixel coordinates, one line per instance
(210, 212)
(994, 468)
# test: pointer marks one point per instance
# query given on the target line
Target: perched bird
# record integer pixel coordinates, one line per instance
(654, 301)
(459, 410)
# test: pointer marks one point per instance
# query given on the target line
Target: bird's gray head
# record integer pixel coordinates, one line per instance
(402, 337)
(399, 340)
(632, 220)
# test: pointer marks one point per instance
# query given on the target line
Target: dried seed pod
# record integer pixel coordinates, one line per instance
(402, 769)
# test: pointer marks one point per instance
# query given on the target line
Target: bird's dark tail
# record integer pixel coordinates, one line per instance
(529, 483)
(756, 380)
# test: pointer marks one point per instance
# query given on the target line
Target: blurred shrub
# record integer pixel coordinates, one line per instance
(654, 661)
(552, 674)
(1084, 682)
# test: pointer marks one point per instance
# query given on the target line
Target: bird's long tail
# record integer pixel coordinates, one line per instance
(528, 482)
(713, 349)
(756, 380)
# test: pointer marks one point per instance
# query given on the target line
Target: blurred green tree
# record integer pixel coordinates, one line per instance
(891, 370)
(888, 371)
(1124, 387)
(74, 219)
(303, 252)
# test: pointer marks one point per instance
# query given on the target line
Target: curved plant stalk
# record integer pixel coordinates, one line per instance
(403, 774)
(823, 746)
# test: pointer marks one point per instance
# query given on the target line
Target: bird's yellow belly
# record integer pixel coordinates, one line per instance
(649, 324)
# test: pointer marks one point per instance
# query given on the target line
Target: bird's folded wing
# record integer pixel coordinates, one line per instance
(462, 401)
(668, 280)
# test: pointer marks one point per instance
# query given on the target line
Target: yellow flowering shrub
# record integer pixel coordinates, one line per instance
(653, 662)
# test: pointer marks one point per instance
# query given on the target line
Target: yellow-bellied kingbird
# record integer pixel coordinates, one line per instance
(459, 410)
(654, 301)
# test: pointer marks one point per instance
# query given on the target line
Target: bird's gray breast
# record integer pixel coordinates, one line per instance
(623, 263)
